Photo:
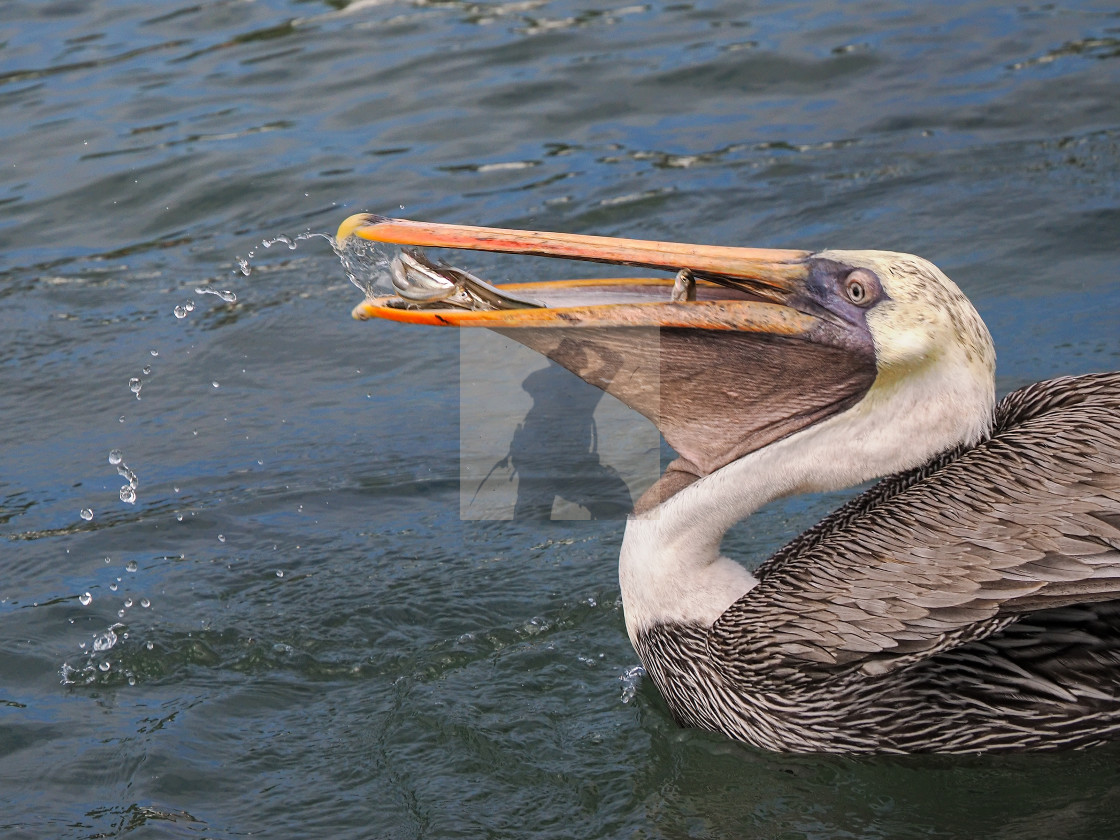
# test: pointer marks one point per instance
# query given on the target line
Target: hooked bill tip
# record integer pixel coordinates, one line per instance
(352, 223)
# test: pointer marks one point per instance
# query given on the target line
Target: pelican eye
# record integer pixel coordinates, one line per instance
(859, 286)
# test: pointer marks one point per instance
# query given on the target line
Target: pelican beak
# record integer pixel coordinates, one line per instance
(737, 352)
(745, 263)
(735, 288)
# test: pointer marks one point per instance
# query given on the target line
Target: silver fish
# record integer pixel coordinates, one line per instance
(418, 279)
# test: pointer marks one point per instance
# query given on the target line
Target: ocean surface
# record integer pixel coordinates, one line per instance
(242, 590)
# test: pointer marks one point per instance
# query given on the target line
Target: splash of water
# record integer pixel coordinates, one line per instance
(366, 265)
(105, 641)
(95, 655)
(631, 681)
(128, 491)
(245, 264)
(225, 294)
(287, 240)
(101, 655)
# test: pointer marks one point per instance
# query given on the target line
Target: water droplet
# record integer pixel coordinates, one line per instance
(281, 239)
(224, 294)
(108, 560)
(127, 603)
(244, 267)
(104, 666)
(145, 603)
(115, 456)
(120, 613)
(631, 681)
(131, 679)
(134, 385)
(178, 516)
(120, 419)
(154, 352)
(180, 311)
(130, 566)
(85, 599)
(105, 641)
(147, 370)
(150, 645)
(279, 573)
(128, 494)
(189, 306)
(112, 587)
(86, 514)
(215, 384)
(221, 537)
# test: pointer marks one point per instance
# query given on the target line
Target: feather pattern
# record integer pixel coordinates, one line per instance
(972, 604)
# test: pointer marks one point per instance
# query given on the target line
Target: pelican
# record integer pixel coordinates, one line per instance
(967, 602)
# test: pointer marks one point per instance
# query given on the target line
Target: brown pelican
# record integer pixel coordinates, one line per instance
(969, 602)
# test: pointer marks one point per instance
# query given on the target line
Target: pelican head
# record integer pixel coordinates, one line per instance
(877, 354)
(934, 386)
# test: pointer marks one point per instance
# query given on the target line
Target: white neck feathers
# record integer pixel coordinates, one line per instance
(670, 569)
(934, 390)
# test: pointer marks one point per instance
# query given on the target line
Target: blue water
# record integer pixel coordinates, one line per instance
(290, 631)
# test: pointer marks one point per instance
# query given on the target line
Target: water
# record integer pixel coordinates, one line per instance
(289, 631)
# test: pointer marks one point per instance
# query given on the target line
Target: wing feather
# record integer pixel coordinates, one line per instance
(951, 552)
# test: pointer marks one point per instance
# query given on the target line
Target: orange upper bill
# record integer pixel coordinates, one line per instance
(759, 264)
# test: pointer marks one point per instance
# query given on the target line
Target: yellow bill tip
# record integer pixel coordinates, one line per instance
(352, 223)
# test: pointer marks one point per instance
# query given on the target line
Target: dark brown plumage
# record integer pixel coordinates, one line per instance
(972, 604)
